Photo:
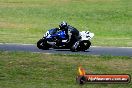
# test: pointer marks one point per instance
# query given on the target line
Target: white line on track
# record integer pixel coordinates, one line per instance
(15, 44)
(109, 47)
(35, 44)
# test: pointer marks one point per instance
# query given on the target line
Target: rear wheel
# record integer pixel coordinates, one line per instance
(84, 45)
(42, 44)
(81, 46)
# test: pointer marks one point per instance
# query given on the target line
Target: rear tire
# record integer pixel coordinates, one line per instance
(87, 45)
(81, 46)
(84, 45)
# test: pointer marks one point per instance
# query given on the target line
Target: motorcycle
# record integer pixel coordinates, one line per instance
(57, 40)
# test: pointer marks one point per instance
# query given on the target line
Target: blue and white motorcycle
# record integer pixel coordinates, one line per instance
(53, 36)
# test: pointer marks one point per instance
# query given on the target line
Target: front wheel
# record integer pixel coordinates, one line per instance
(42, 44)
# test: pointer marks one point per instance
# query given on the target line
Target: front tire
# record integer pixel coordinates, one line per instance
(42, 44)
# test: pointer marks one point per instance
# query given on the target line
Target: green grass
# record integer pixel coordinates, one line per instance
(25, 21)
(37, 70)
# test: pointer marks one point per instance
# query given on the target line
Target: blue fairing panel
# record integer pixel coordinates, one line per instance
(55, 33)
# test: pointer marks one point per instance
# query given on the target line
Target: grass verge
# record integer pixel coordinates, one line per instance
(37, 70)
(25, 21)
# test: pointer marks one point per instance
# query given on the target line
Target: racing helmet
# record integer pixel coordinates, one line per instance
(63, 25)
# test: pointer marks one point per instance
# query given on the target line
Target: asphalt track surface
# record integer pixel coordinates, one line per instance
(112, 51)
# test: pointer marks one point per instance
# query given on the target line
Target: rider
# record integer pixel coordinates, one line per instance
(72, 34)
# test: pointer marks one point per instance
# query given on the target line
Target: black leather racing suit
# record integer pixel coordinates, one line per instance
(72, 34)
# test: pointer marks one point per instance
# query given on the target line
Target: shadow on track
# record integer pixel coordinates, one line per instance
(69, 50)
